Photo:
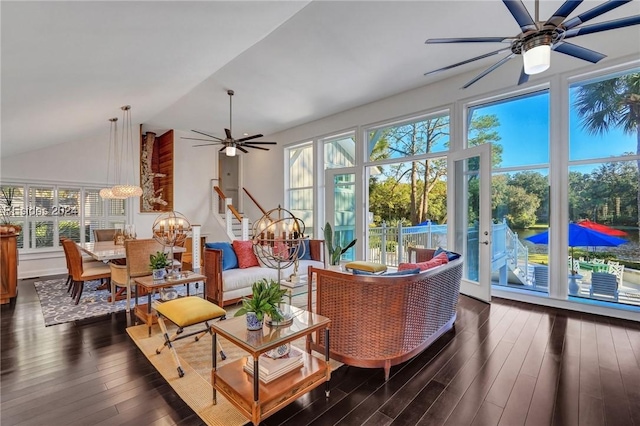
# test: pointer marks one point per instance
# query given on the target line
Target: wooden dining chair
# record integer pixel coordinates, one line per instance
(104, 234)
(81, 273)
(85, 260)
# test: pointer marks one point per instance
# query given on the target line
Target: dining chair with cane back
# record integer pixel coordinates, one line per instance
(138, 253)
(81, 272)
(104, 234)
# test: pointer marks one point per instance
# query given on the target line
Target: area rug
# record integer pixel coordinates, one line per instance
(195, 386)
(58, 307)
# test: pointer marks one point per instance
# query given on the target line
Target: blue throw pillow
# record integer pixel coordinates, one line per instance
(450, 255)
(229, 258)
(307, 251)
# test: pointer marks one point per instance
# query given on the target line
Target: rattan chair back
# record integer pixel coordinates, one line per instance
(138, 253)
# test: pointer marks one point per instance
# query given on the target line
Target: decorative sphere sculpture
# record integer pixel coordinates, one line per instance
(171, 229)
(278, 238)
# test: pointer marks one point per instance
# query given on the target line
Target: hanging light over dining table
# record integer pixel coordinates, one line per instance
(126, 188)
(112, 161)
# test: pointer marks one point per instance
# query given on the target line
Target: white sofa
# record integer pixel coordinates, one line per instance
(226, 287)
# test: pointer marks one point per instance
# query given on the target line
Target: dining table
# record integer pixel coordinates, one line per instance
(107, 250)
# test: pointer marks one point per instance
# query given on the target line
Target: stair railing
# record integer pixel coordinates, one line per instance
(232, 212)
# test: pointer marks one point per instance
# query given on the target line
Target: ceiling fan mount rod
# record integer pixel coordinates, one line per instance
(230, 93)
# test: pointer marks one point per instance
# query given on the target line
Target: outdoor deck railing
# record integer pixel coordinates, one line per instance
(389, 244)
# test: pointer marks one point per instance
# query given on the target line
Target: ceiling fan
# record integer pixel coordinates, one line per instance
(538, 39)
(230, 145)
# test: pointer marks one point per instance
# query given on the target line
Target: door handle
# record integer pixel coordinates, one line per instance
(486, 243)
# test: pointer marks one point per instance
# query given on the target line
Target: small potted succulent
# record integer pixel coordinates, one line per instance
(158, 263)
(335, 251)
(266, 294)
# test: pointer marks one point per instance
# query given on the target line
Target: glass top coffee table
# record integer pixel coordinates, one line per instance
(253, 398)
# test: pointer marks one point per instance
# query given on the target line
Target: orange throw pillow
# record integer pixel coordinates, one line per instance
(438, 260)
(246, 256)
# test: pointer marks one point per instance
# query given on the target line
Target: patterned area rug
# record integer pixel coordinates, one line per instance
(58, 307)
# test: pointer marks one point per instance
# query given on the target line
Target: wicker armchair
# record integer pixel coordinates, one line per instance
(377, 321)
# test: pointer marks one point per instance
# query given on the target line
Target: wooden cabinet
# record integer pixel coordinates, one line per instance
(8, 267)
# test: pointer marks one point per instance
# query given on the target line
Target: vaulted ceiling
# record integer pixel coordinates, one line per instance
(68, 66)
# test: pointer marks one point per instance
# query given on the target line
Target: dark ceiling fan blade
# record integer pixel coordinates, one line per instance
(524, 77)
(207, 144)
(562, 12)
(521, 15)
(205, 134)
(603, 26)
(242, 149)
(198, 139)
(488, 70)
(222, 149)
(255, 147)
(578, 52)
(486, 55)
(260, 143)
(470, 40)
(259, 135)
(228, 133)
(593, 13)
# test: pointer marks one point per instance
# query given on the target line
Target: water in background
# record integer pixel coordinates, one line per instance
(629, 251)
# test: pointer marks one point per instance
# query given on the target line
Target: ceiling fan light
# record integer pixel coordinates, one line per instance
(537, 59)
(230, 151)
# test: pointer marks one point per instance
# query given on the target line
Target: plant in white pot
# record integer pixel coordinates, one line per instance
(265, 296)
(158, 263)
(335, 251)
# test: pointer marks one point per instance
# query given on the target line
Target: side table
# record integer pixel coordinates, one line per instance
(145, 313)
(257, 400)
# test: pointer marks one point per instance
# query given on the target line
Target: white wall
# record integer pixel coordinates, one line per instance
(86, 162)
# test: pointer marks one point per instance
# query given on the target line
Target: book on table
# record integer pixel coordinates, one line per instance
(270, 368)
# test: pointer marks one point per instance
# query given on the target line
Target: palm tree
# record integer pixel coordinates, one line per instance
(612, 103)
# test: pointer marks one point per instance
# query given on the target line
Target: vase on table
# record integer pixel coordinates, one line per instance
(252, 321)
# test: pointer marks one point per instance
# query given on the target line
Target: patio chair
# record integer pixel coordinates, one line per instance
(541, 277)
(597, 260)
(604, 284)
(616, 270)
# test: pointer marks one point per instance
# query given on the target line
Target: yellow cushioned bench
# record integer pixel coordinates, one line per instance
(185, 312)
(362, 265)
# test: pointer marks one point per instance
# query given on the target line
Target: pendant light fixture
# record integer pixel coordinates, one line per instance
(126, 188)
(107, 193)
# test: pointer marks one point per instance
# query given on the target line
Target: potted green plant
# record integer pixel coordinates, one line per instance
(335, 251)
(265, 296)
(158, 263)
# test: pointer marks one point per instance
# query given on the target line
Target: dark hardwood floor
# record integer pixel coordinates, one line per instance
(508, 363)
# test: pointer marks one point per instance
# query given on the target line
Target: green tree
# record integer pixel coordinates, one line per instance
(609, 104)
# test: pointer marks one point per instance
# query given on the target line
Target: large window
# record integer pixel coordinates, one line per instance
(340, 151)
(604, 184)
(300, 183)
(518, 129)
(407, 139)
(46, 212)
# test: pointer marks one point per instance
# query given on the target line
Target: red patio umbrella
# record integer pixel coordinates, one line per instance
(601, 228)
